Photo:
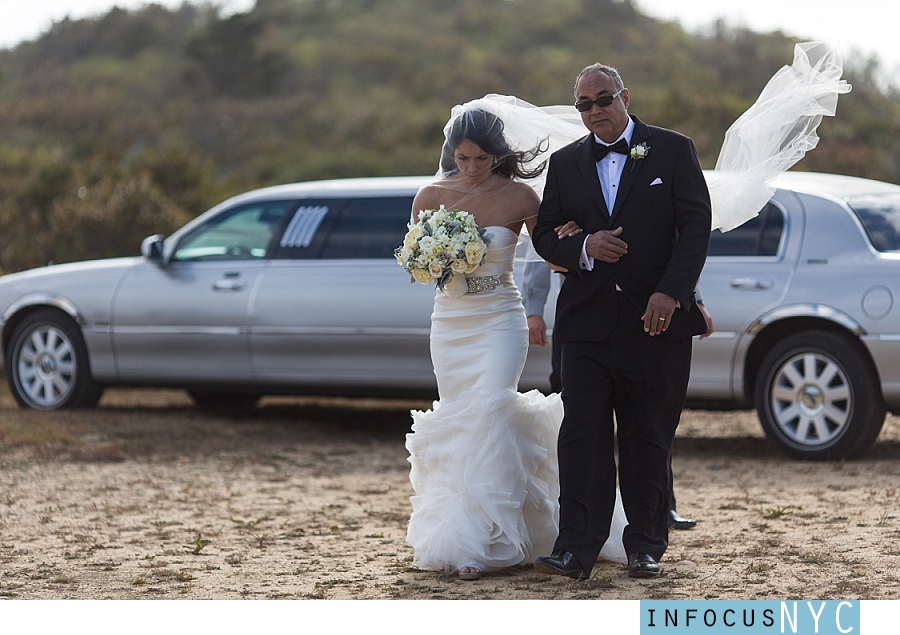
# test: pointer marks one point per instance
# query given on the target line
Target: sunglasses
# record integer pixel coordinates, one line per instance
(602, 102)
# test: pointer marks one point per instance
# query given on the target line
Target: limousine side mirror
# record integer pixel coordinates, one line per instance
(152, 248)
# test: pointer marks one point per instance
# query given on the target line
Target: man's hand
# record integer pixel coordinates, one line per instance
(606, 246)
(537, 330)
(659, 312)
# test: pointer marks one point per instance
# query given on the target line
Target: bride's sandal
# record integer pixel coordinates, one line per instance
(470, 572)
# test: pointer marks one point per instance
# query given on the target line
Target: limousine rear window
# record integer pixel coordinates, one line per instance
(880, 215)
(759, 236)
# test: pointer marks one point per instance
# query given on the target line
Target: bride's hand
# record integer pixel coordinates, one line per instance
(569, 229)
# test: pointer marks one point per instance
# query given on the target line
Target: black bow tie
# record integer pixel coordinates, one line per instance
(600, 151)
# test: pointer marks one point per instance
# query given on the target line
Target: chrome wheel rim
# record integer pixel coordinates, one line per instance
(811, 400)
(46, 367)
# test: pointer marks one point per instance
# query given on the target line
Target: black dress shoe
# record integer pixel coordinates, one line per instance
(642, 565)
(561, 562)
(677, 521)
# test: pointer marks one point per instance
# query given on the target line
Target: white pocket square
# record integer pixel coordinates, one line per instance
(657, 181)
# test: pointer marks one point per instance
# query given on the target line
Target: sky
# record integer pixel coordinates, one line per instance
(861, 26)
(22, 20)
(866, 26)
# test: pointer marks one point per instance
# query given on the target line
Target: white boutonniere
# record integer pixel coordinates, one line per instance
(638, 152)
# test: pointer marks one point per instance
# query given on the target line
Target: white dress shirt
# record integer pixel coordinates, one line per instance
(609, 169)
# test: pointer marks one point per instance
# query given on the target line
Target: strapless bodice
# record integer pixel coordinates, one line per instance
(500, 254)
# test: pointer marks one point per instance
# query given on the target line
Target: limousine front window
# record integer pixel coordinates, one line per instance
(243, 233)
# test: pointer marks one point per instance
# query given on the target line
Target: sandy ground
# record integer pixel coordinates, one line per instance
(147, 497)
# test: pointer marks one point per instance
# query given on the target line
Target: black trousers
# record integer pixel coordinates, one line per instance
(630, 387)
(556, 386)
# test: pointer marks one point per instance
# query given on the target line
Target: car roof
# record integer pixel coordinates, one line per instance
(381, 186)
(835, 186)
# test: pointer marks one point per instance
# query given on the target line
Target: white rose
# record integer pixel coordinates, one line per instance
(458, 266)
(427, 243)
(436, 269)
(474, 253)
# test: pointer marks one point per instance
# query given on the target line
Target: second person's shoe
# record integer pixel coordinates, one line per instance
(642, 565)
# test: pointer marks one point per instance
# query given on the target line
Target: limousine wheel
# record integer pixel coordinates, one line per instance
(818, 396)
(47, 363)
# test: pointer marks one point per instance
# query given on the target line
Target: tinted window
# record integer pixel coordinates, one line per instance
(880, 215)
(307, 229)
(241, 233)
(759, 236)
(369, 228)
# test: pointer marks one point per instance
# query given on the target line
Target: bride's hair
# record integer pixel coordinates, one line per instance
(486, 131)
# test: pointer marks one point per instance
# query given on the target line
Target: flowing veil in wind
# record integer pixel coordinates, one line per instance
(770, 137)
(774, 133)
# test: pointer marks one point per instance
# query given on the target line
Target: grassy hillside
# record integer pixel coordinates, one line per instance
(125, 125)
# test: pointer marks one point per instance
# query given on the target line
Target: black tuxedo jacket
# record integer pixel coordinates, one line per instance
(664, 210)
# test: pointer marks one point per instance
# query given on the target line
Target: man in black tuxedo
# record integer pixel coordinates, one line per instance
(625, 317)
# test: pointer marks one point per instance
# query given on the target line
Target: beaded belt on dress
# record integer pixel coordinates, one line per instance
(486, 283)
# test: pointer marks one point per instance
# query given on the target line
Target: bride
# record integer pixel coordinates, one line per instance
(483, 460)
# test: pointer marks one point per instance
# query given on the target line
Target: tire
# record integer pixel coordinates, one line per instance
(818, 396)
(47, 364)
(223, 401)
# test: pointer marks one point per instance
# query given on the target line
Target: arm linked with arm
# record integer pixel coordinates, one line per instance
(566, 252)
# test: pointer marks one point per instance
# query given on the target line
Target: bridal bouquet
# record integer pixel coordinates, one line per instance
(442, 243)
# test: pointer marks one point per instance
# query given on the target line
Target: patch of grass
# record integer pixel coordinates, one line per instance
(813, 559)
(759, 567)
(32, 429)
(250, 524)
(776, 512)
(197, 546)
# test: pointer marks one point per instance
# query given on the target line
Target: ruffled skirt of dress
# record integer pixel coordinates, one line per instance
(486, 480)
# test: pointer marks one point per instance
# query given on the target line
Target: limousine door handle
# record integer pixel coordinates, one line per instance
(754, 284)
(228, 284)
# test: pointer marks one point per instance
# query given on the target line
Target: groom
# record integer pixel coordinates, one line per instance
(625, 317)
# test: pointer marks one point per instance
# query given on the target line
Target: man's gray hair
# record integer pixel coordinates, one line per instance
(601, 68)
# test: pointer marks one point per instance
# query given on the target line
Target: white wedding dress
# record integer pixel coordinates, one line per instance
(484, 467)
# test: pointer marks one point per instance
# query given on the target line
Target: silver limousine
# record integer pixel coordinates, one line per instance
(294, 290)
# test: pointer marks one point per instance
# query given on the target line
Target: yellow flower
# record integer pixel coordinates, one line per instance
(413, 235)
(422, 276)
